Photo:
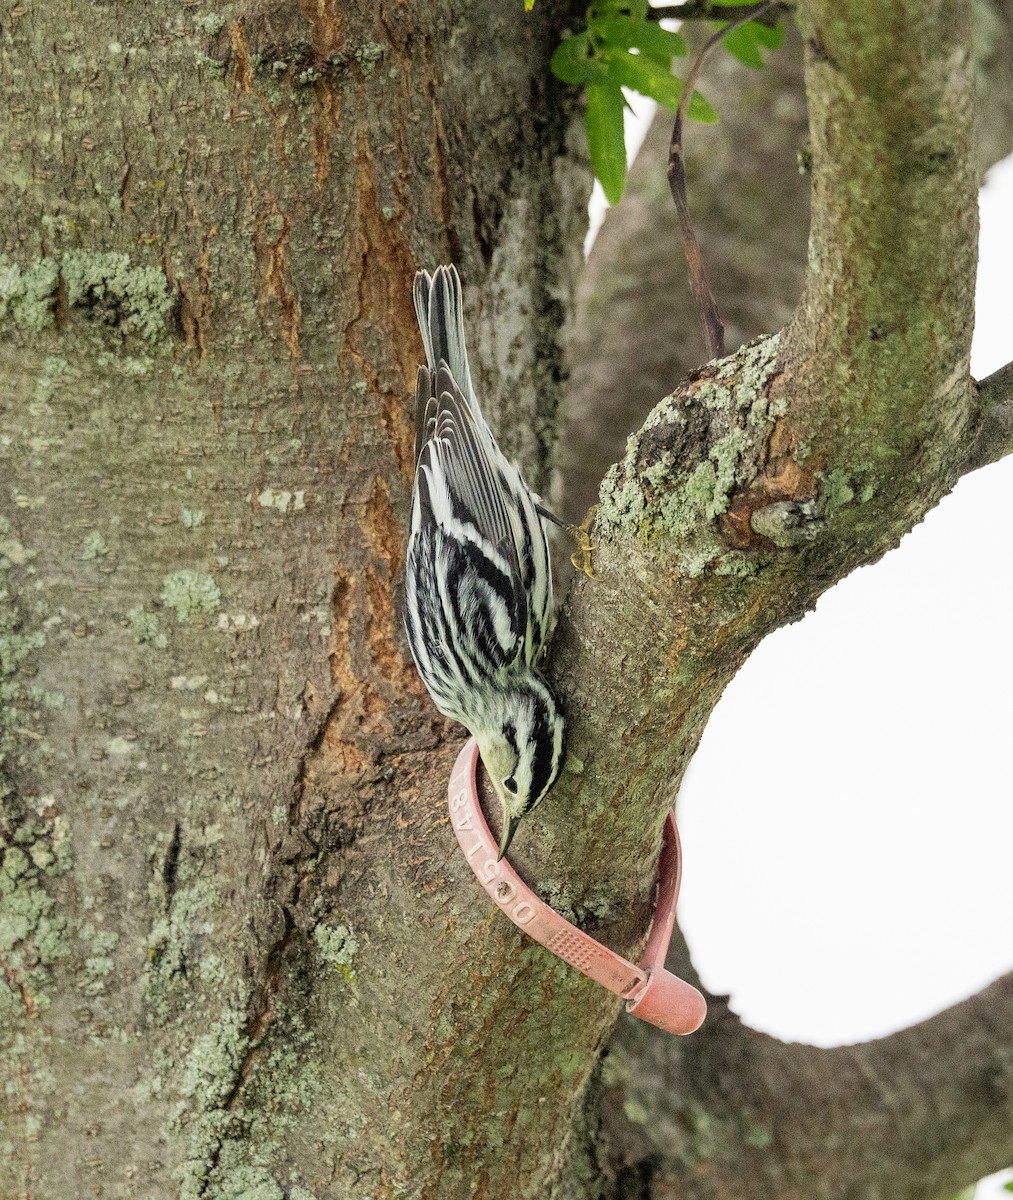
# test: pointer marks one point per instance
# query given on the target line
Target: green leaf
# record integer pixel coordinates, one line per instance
(745, 42)
(529, 5)
(626, 33)
(606, 137)
(643, 74)
(646, 75)
(576, 61)
(702, 110)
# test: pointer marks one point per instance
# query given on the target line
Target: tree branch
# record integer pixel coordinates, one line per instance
(934, 1101)
(751, 215)
(995, 434)
(996, 390)
(768, 476)
(891, 159)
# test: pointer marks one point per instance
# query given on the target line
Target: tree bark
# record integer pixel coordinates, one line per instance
(236, 957)
(241, 955)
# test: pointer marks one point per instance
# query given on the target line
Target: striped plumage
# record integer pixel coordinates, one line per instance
(478, 587)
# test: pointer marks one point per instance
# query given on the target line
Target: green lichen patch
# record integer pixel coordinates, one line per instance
(190, 594)
(687, 510)
(130, 366)
(94, 546)
(41, 698)
(54, 369)
(107, 286)
(12, 552)
(143, 626)
(99, 963)
(134, 299)
(837, 491)
(33, 932)
(28, 295)
(287, 1081)
(25, 1080)
(173, 941)
(758, 1136)
(740, 566)
(240, 1181)
(211, 1067)
(367, 56)
(211, 23)
(231, 1142)
(17, 645)
(209, 1077)
(695, 449)
(337, 946)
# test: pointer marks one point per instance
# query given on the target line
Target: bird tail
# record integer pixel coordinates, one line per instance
(440, 309)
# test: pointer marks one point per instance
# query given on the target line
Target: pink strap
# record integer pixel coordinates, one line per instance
(650, 992)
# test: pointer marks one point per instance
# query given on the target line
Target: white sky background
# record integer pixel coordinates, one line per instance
(846, 820)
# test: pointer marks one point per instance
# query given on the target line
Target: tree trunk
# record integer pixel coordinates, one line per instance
(236, 956)
(241, 956)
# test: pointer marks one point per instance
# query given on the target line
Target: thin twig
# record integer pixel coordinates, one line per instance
(705, 10)
(703, 297)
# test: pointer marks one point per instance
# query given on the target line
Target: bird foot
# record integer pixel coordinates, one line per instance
(581, 534)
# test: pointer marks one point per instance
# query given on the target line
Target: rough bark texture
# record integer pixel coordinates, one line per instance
(229, 924)
(241, 957)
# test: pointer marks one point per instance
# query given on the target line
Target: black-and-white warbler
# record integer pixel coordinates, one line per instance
(478, 586)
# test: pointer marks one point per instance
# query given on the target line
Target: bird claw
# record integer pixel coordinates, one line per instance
(581, 558)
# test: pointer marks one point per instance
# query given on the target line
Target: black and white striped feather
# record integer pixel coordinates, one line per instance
(478, 581)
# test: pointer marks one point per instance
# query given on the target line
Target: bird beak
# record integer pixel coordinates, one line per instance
(509, 829)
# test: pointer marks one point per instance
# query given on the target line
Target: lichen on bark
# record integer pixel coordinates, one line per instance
(694, 451)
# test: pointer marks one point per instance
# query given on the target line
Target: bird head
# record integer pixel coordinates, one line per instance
(522, 749)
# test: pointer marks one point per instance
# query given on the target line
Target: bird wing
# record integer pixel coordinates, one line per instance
(486, 488)
(460, 482)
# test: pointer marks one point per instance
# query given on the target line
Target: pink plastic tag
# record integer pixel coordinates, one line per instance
(650, 992)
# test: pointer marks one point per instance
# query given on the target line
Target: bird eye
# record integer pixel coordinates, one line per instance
(511, 785)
